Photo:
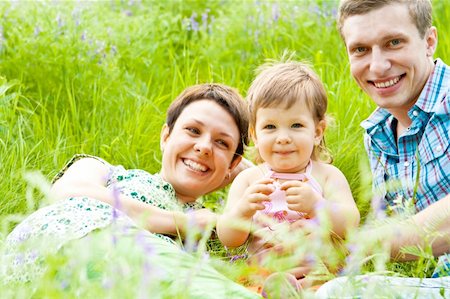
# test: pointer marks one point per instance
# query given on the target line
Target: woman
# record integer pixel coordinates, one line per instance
(202, 143)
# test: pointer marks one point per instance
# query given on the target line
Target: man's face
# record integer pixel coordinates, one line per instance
(388, 58)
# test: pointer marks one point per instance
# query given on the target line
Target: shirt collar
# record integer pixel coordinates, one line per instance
(434, 91)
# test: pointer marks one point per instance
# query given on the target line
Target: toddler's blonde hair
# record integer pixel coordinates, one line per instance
(284, 84)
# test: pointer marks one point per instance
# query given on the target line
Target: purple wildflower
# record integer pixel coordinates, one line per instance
(237, 257)
(378, 207)
(64, 284)
(275, 12)
(210, 24)
(113, 50)
(193, 22)
(33, 255)
(107, 283)
(19, 259)
(145, 245)
(191, 244)
(76, 16)
(205, 19)
(59, 21)
(37, 30)
(310, 259)
(116, 202)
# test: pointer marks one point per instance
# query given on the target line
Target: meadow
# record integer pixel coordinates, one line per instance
(96, 77)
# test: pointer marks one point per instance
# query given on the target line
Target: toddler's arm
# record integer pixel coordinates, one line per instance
(244, 199)
(337, 202)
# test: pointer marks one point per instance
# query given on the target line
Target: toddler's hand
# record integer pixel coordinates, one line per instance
(301, 197)
(254, 197)
(201, 219)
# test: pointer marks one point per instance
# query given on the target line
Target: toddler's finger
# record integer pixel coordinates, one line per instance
(261, 188)
(291, 184)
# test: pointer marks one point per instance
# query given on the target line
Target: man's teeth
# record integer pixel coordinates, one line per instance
(387, 83)
(195, 166)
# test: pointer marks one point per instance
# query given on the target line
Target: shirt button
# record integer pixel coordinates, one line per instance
(415, 113)
(439, 148)
(406, 164)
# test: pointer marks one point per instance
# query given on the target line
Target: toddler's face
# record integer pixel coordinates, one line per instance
(285, 138)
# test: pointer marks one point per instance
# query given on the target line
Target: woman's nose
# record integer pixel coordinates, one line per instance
(203, 146)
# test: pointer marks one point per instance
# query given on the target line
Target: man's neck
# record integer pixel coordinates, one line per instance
(402, 122)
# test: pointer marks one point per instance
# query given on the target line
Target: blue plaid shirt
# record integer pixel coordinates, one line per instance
(414, 171)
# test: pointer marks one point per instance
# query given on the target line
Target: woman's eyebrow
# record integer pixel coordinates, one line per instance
(199, 122)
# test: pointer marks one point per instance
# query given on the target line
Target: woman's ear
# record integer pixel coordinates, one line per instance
(165, 133)
(235, 163)
(320, 130)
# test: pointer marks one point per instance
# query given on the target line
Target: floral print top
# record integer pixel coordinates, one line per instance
(75, 217)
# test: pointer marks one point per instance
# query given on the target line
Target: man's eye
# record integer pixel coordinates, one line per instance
(296, 125)
(360, 50)
(269, 127)
(395, 42)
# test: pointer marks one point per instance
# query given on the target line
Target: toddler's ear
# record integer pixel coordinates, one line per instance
(320, 130)
(165, 133)
(252, 134)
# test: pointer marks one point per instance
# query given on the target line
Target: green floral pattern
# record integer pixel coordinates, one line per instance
(49, 228)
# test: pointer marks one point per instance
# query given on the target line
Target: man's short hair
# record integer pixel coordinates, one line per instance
(419, 10)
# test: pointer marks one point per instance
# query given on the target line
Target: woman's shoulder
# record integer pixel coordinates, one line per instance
(82, 160)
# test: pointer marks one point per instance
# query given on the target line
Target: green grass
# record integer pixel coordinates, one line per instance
(97, 77)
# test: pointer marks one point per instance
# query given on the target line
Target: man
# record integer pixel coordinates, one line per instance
(390, 45)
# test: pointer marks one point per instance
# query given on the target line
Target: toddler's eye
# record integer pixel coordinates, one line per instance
(269, 127)
(296, 125)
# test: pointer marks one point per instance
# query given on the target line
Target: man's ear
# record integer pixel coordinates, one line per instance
(165, 133)
(432, 40)
(320, 130)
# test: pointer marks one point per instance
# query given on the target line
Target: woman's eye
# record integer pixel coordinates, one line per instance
(223, 143)
(296, 125)
(269, 127)
(193, 130)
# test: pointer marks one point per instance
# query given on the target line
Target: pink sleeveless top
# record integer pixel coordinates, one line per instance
(277, 207)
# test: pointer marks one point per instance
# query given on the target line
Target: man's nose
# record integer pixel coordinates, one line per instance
(380, 62)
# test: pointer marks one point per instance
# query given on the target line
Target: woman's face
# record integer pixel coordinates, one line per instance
(198, 153)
